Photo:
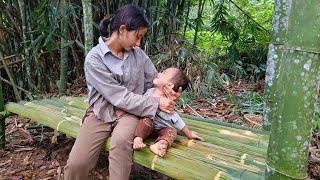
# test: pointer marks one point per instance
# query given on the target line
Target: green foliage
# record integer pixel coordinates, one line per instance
(229, 44)
(186, 98)
(248, 103)
(235, 36)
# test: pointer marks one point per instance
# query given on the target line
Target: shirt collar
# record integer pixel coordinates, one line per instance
(104, 48)
(102, 45)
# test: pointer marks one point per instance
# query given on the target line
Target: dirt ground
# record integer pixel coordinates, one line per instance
(33, 152)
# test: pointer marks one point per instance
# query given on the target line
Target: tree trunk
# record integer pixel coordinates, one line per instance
(64, 49)
(292, 82)
(88, 25)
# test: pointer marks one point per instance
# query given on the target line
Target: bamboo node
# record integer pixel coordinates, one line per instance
(190, 143)
(210, 157)
(243, 157)
(217, 177)
(60, 123)
(154, 161)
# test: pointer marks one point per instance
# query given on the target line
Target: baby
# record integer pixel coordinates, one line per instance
(164, 125)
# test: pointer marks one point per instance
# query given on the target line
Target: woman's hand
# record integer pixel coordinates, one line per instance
(166, 105)
(171, 94)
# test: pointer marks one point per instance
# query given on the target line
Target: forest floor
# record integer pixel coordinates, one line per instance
(31, 153)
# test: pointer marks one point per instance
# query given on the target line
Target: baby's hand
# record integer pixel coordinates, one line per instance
(196, 137)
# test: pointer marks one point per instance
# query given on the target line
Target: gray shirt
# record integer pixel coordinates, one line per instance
(109, 88)
(163, 119)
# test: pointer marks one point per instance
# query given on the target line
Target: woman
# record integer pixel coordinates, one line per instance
(118, 72)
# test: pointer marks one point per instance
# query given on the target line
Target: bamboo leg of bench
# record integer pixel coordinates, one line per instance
(3, 115)
(2, 132)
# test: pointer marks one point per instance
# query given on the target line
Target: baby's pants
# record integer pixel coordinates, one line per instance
(145, 128)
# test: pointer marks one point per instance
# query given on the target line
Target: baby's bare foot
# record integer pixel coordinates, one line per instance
(138, 143)
(159, 148)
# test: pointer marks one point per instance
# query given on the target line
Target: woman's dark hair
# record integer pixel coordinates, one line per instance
(132, 16)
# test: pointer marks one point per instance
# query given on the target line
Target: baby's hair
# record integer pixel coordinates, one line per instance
(180, 80)
(132, 16)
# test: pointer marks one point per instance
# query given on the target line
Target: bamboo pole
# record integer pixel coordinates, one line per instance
(201, 160)
(88, 25)
(82, 103)
(25, 46)
(277, 38)
(8, 82)
(63, 49)
(2, 119)
(296, 89)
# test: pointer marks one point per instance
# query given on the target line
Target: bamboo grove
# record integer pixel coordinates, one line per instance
(43, 48)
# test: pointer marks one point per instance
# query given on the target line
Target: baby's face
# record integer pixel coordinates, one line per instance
(165, 77)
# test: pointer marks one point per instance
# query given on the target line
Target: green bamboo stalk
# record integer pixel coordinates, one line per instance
(63, 48)
(25, 46)
(69, 125)
(14, 86)
(222, 152)
(230, 135)
(77, 102)
(202, 168)
(2, 119)
(277, 38)
(200, 160)
(245, 137)
(250, 145)
(231, 125)
(225, 129)
(82, 103)
(296, 91)
(88, 24)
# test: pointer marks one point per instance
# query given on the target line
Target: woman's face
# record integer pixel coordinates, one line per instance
(130, 39)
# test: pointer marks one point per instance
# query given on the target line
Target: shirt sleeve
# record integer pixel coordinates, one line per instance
(102, 80)
(179, 123)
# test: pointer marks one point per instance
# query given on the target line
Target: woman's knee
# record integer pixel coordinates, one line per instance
(122, 141)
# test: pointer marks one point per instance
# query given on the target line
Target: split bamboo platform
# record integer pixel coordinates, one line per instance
(230, 151)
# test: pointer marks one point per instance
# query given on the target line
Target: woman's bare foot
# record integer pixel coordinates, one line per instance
(138, 143)
(159, 148)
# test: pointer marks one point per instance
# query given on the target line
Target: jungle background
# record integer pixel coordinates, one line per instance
(221, 45)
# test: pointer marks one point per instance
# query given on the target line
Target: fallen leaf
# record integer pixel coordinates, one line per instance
(24, 149)
(51, 171)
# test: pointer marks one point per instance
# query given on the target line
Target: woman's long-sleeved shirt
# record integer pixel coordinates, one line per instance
(109, 87)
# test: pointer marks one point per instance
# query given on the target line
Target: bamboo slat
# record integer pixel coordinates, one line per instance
(228, 153)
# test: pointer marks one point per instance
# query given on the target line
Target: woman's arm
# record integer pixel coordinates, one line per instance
(103, 81)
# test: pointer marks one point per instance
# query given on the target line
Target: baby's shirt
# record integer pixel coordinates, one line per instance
(163, 119)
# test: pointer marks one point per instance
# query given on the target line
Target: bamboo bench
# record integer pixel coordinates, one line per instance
(230, 151)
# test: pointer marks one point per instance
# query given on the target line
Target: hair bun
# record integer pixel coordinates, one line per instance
(104, 26)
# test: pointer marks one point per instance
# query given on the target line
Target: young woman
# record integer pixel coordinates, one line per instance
(118, 72)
